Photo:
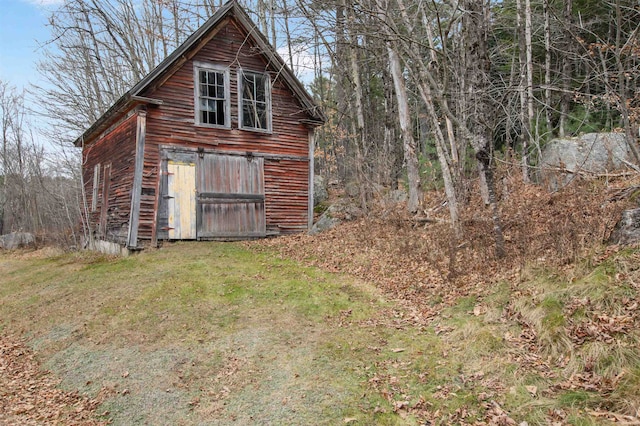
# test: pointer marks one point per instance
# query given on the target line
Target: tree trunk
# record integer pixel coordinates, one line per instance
(358, 125)
(565, 97)
(408, 142)
(530, 112)
(475, 24)
(522, 90)
(547, 65)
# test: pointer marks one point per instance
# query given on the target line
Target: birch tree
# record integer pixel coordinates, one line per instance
(404, 118)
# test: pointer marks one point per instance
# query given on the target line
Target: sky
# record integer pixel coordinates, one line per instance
(22, 30)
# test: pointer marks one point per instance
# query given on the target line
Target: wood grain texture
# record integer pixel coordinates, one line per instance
(283, 154)
(116, 150)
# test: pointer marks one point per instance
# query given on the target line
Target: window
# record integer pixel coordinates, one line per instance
(254, 101)
(212, 100)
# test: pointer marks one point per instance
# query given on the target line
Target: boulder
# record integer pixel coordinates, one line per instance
(17, 240)
(627, 230)
(344, 210)
(594, 153)
(320, 193)
(325, 222)
(398, 196)
(352, 189)
(335, 214)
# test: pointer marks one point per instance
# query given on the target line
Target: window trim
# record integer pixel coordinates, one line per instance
(207, 66)
(95, 188)
(267, 90)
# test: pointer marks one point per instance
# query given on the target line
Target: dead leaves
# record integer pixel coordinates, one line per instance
(30, 396)
(423, 270)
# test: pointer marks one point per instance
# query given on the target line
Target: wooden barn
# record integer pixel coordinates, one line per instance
(215, 143)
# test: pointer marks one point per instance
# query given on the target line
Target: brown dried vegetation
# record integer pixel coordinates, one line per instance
(30, 396)
(561, 306)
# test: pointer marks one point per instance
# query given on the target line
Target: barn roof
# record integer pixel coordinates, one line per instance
(179, 56)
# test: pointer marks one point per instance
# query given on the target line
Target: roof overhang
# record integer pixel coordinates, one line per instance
(171, 63)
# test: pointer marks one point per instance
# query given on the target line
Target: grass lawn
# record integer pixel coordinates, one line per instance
(212, 333)
(223, 333)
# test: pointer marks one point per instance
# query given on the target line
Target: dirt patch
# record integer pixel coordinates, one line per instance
(30, 395)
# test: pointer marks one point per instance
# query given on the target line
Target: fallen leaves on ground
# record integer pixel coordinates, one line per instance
(421, 265)
(30, 396)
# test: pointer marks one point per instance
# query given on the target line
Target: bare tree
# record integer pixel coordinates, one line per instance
(476, 20)
(404, 117)
(35, 195)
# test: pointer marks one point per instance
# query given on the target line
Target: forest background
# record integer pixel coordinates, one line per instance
(423, 95)
(451, 102)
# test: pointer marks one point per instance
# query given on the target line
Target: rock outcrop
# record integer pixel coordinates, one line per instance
(596, 153)
(627, 230)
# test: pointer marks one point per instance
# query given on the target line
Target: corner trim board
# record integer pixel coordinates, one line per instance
(312, 146)
(136, 190)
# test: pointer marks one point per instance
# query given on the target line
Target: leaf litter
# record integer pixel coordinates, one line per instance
(428, 273)
(30, 395)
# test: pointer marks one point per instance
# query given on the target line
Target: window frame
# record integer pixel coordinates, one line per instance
(267, 101)
(96, 187)
(209, 67)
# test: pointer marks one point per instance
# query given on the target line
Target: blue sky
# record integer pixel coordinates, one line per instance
(22, 29)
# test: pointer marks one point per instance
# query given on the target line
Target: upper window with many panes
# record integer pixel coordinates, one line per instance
(255, 101)
(212, 96)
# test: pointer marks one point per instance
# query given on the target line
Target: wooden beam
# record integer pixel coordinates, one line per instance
(146, 100)
(312, 146)
(231, 196)
(136, 190)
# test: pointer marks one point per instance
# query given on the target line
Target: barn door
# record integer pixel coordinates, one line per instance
(181, 200)
(231, 197)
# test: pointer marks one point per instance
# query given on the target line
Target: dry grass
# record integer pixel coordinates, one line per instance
(558, 315)
(215, 333)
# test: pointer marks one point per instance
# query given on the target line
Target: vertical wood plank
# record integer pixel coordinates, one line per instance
(156, 206)
(136, 190)
(312, 146)
(104, 208)
(182, 200)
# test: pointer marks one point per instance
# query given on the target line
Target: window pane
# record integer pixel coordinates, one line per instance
(261, 111)
(254, 101)
(220, 112)
(260, 88)
(247, 116)
(247, 92)
(212, 97)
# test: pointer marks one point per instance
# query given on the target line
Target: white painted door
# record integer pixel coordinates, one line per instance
(181, 203)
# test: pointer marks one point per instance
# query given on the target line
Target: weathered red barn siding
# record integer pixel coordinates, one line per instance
(286, 197)
(286, 167)
(114, 151)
